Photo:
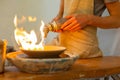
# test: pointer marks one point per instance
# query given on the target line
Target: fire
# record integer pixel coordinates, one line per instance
(28, 41)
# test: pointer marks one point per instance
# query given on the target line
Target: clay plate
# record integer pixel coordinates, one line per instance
(48, 52)
(33, 65)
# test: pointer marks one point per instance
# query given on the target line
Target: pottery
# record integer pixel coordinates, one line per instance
(37, 65)
(48, 52)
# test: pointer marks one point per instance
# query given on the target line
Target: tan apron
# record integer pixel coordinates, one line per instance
(83, 42)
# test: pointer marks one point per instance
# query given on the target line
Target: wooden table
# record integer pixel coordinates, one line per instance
(83, 68)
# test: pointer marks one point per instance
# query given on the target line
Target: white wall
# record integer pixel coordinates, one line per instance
(44, 10)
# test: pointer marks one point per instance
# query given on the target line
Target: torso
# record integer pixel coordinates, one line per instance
(83, 42)
(99, 6)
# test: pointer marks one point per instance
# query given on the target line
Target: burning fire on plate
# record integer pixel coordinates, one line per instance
(35, 57)
(28, 42)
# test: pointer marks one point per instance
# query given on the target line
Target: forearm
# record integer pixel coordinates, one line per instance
(107, 22)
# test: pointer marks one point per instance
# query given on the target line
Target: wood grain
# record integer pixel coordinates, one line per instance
(83, 68)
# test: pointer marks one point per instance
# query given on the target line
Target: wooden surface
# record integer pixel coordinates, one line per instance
(83, 68)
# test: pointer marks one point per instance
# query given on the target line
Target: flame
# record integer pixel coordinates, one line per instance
(28, 41)
(15, 20)
(32, 19)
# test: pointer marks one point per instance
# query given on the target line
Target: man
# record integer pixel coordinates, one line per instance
(112, 21)
(78, 33)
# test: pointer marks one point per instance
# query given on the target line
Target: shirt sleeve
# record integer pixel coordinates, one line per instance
(108, 1)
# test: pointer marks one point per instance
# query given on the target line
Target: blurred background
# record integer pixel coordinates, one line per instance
(45, 10)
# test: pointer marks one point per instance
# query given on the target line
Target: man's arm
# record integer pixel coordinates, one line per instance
(78, 21)
(112, 21)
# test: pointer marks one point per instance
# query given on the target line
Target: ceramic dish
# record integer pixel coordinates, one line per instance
(33, 65)
(48, 52)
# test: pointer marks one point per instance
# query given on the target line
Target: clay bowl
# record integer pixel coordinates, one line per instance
(48, 52)
(37, 65)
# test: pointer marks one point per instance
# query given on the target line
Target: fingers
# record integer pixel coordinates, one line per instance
(68, 17)
(60, 30)
(69, 21)
(75, 27)
(71, 24)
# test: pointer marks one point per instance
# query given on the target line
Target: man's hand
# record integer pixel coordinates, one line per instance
(75, 22)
